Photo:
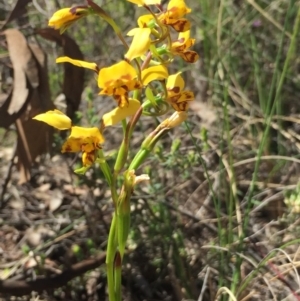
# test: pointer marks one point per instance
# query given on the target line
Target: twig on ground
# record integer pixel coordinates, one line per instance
(23, 287)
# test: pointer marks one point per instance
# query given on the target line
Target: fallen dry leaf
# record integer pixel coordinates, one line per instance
(34, 138)
(20, 55)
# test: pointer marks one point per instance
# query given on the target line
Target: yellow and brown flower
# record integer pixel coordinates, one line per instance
(85, 140)
(178, 98)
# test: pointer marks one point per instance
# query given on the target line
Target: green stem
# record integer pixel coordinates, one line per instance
(104, 167)
(110, 257)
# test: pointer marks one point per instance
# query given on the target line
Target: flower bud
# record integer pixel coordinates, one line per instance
(174, 120)
(65, 17)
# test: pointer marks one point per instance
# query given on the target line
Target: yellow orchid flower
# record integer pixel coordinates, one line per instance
(176, 97)
(173, 16)
(83, 139)
(86, 140)
(181, 47)
(145, 2)
(118, 114)
(140, 43)
(117, 80)
(65, 17)
(78, 63)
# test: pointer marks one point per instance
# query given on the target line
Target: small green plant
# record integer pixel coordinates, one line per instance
(140, 84)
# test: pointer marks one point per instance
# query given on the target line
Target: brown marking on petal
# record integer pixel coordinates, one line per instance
(180, 48)
(122, 100)
(126, 89)
(181, 106)
(190, 56)
(173, 99)
(137, 85)
(67, 149)
(175, 90)
(88, 158)
(97, 146)
(126, 77)
(122, 90)
(188, 97)
(184, 106)
(117, 99)
(181, 25)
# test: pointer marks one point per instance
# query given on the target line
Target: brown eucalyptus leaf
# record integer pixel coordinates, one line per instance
(73, 82)
(34, 138)
(24, 68)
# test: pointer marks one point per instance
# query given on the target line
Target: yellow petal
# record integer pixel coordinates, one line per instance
(79, 63)
(88, 158)
(140, 43)
(180, 106)
(183, 36)
(61, 17)
(66, 16)
(186, 96)
(183, 42)
(145, 2)
(83, 139)
(121, 72)
(150, 74)
(56, 119)
(175, 82)
(118, 114)
(177, 9)
(144, 20)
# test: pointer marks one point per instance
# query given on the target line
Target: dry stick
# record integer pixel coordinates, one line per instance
(23, 287)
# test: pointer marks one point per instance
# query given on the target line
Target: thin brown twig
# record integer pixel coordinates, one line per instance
(41, 283)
